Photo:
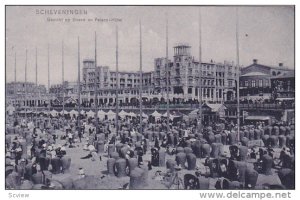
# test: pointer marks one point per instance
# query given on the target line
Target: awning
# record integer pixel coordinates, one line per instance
(258, 118)
(285, 99)
(215, 107)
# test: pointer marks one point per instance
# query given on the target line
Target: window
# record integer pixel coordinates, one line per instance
(246, 84)
(260, 83)
(267, 83)
(190, 90)
(253, 83)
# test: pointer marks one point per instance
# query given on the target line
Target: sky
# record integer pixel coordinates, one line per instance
(266, 33)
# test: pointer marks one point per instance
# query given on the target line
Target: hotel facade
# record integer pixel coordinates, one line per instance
(218, 81)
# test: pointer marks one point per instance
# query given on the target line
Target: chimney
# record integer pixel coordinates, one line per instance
(254, 61)
(280, 64)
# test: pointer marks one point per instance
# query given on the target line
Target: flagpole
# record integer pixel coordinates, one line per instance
(238, 73)
(141, 81)
(15, 79)
(167, 75)
(36, 74)
(15, 85)
(25, 89)
(78, 80)
(63, 85)
(96, 86)
(49, 104)
(117, 88)
(15, 72)
(200, 73)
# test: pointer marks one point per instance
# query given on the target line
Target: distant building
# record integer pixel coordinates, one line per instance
(255, 80)
(26, 94)
(102, 80)
(283, 86)
(70, 88)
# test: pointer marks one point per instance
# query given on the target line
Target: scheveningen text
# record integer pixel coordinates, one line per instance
(61, 12)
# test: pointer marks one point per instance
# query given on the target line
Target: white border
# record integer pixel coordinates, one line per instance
(149, 194)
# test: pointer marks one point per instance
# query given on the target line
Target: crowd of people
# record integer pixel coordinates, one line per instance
(259, 156)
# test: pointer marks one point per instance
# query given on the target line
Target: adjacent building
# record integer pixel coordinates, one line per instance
(26, 94)
(99, 84)
(255, 80)
(283, 86)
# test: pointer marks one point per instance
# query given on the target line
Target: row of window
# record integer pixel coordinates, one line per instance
(256, 83)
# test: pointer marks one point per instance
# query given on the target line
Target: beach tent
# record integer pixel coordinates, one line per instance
(132, 114)
(193, 114)
(144, 115)
(44, 112)
(73, 112)
(53, 112)
(64, 112)
(123, 114)
(166, 115)
(82, 112)
(101, 114)
(90, 113)
(156, 114)
(111, 115)
(10, 110)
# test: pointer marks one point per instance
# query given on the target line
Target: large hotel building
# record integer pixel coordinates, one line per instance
(218, 80)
